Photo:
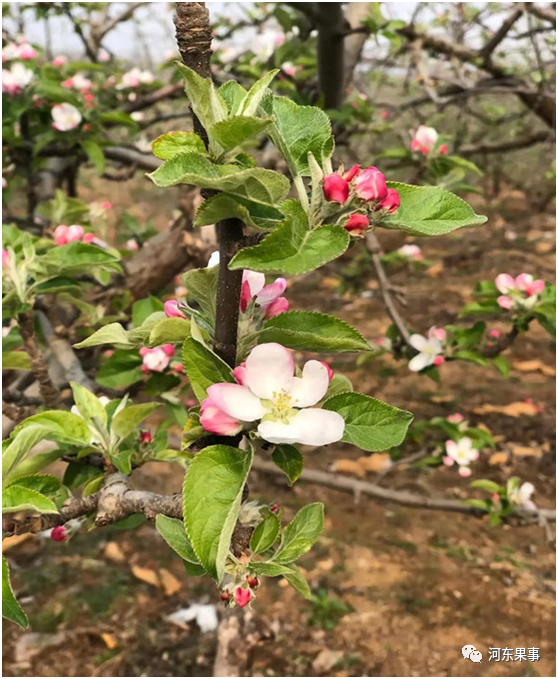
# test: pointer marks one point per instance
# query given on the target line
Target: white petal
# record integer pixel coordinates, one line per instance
(526, 490)
(269, 369)
(311, 387)
(451, 448)
(418, 342)
(213, 260)
(278, 432)
(236, 401)
(256, 281)
(420, 361)
(318, 427)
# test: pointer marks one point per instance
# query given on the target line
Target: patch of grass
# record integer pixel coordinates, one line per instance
(407, 546)
(99, 598)
(413, 603)
(458, 553)
(326, 611)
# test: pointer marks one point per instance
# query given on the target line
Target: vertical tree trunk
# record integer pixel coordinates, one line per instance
(331, 53)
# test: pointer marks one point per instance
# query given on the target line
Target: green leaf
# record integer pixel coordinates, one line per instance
(77, 258)
(339, 385)
(312, 331)
(295, 579)
(34, 463)
(168, 145)
(10, 607)
(298, 131)
(255, 184)
(126, 421)
(289, 460)
(370, 424)
(203, 367)
(94, 154)
(293, 248)
(173, 533)
(18, 499)
(269, 569)
(113, 333)
(471, 356)
(430, 211)
(206, 103)
(234, 131)
(233, 95)
(488, 306)
(222, 206)
(301, 533)
(121, 369)
(202, 287)
(502, 364)
(15, 360)
(169, 331)
(63, 427)
(89, 406)
(213, 488)
(485, 484)
(20, 444)
(249, 105)
(265, 534)
(144, 308)
(46, 484)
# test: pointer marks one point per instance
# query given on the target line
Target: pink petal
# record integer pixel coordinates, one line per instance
(271, 292)
(448, 461)
(464, 472)
(269, 370)
(279, 306)
(504, 302)
(255, 280)
(216, 421)
(239, 374)
(522, 282)
(505, 283)
(236, 401)
(245, 296)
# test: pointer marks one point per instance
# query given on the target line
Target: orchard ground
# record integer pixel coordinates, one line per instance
(401, 590)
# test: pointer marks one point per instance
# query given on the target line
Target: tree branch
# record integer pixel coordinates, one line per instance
(331, 51)
(504, 147)
(487, 50)
(544, 13)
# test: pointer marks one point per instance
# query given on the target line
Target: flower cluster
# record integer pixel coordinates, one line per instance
(66, 117)
(78, 82)
(361, 189)
(134, 78)
(21, 50)
(241, 595)
(461, 453)
(69, 234)
(520, 496)
(430, 349)
(424, 141)
(519, 293)
(156, 359)
(16, 79)
(268, 391)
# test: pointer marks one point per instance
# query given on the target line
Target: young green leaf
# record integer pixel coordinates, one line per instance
(487, 485)
(289, 460)
(206, 103)
(19, 498)
(10, 607)
(249, 105)
(169, 331)
(144, 308)
(202, 287)
(370, 424)
(430, 211)
(124, 422)
(46, 484)
(213, 488)
(173, 533)
(113, 333)
(339, 385)
(312, 331)
(94, 154)
(255, 184)
(89, 406)
(168, 145)
(63, 427)
(203, 367)
(265, 534)
(233, 94)
(296, 580)
(15, 360)
(293, 248)
(234, 131)
(301, 533)
(222, 206)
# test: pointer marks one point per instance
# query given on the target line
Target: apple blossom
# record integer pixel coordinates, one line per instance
(254, 288)
(66, 117)
(357, 224)
(270, 392)
(278, 306)
(216, 421)
(156, 359)
(136, 77)
(521, 496)
(242, 596)
(16, 79)
(429, 348)
(69, 234)
(9, 52)
(103, 55)
(59, 534)
(352, 173)
(461, 453)
(78, 82)
(172, 310)
(411, 251)
(391, 202)
(456, 418)
(424, 139)
(521, 292)
(59, 60)
(370, 184)
(336, 188)
(26, 52)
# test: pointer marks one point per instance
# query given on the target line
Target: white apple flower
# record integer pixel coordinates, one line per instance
(16, 79)
(136, 77)
(66, 117)
(521, 496)
(424, 139)
(411, 251)
(268, 391)
(461, 453)
(430, 349)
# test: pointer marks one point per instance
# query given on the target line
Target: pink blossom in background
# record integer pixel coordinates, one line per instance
(411, 251)
(494, 333)
(26, 52)
(66, 117)
(156, 359)
(456, 418)
(424, 139)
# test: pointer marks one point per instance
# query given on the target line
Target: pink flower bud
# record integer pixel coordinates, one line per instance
(242, 596)
(168, 349)
(274, 508)
(456, 418)
(172, 309)
(356, 225)
(278, 306)
(351, 174)
(448, 461)
(145, 437)
(504, 302)
(5, 258)
(384, 114)
(225, 595)
(59, 534)
(239, 374)
(443, 150)
(536, 287)
(245, 296)
(177, 367)
(329, 370)
(88, 238)
(464, 472)
(370, 184)
(495, 497)
(108, 353)
(391, 202)
(75, 232)
(216, 421)
(61, 234)
(437, 333)
(58, 61)
(438, 360)
(495, 333)
(336, 189)
(252, 581)
(107, 205)
(132, 244)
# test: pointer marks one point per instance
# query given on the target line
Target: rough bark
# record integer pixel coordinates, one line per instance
(331, 51)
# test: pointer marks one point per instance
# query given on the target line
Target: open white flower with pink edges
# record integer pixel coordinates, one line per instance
(461, 453)
(430, 349)
(520, 292)
(424, 139)
(521, 496)
(66, 117)
(268, 390)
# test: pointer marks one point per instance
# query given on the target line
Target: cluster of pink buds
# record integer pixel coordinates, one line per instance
(369, 187)
(69, 234)
(156, 359)
(267, 297)
(521, 292)
(172, 309)
(243, 594)
(145, 437)
(424, 141)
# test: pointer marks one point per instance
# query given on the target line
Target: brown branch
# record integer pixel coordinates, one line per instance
(100, 32)
(373, 246)
(79, 32)
(400, 497)
(487, 50)
(331, 53)
(49, 393)
(504, 147)
(169, 91)
(544, 13)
